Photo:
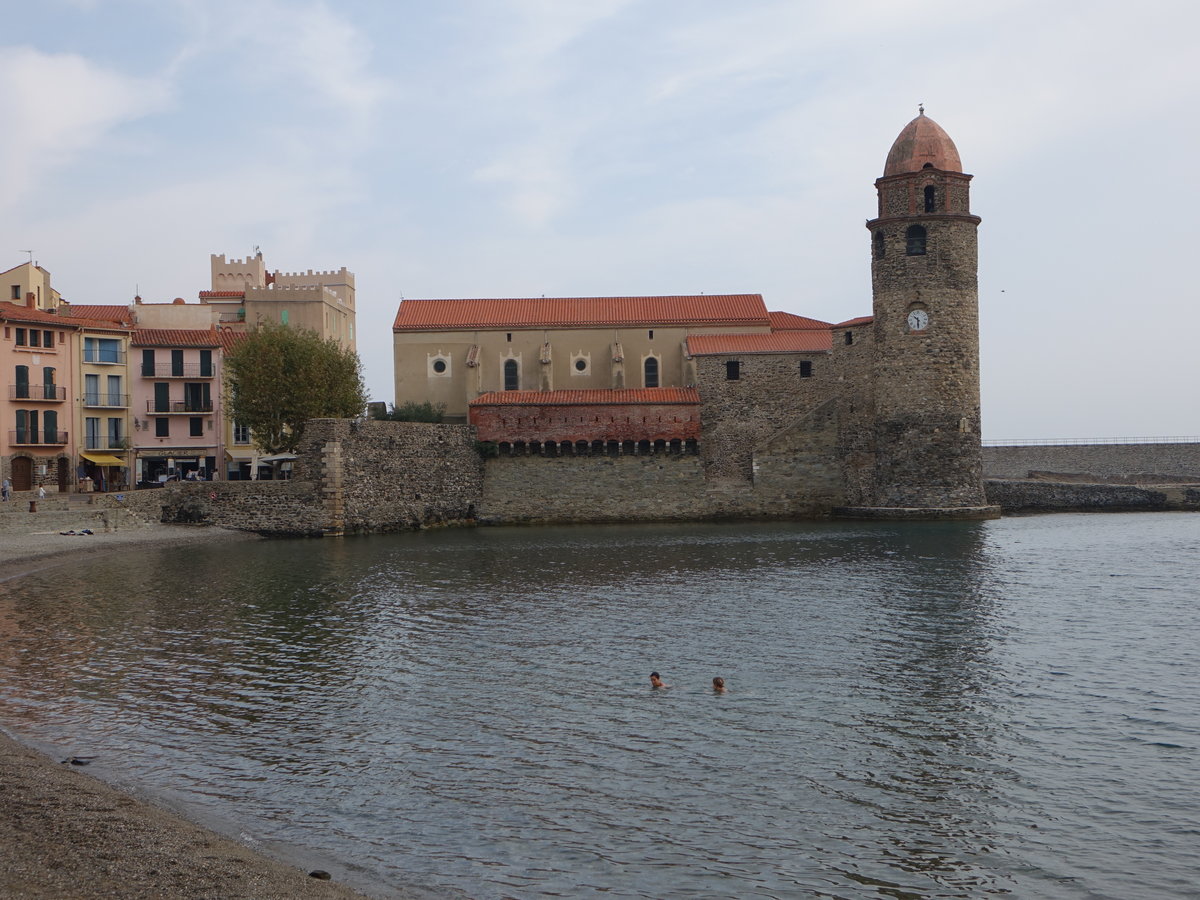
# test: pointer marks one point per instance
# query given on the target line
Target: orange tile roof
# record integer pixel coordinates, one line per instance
(777, 342)
(175, 337)
(109, 312)
(230, 338)
(13, 312)
(851, 323)
(581, 312)
(785, 321)
(627, 397)
(222, 295)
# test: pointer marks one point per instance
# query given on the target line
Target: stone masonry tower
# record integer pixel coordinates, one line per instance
(925, 354)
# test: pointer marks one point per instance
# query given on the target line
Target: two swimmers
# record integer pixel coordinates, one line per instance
(718, 683)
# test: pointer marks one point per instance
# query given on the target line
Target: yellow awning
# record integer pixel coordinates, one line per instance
(103, 459)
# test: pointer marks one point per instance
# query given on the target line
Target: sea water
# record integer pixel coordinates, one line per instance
(919, 710)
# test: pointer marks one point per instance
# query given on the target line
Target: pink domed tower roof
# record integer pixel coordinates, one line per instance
(922, 144)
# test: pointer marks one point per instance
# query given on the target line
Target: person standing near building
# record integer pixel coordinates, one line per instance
(6, 489)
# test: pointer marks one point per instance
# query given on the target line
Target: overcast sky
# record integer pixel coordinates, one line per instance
(491, 148)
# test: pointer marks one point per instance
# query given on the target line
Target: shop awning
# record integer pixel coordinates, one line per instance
(103, 459)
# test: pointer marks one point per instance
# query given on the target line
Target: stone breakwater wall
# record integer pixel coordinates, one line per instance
(1119, 463)
(361, 476)
(350, 476)
(1051, 496)
(263, 507)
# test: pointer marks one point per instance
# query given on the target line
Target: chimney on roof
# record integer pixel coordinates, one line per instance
(30, 300)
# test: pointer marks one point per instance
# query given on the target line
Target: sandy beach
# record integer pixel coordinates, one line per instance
(64, 834)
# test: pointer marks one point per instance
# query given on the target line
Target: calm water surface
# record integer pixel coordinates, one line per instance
(1007, 708)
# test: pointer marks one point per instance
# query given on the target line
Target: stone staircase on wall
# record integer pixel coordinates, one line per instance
(61, 512)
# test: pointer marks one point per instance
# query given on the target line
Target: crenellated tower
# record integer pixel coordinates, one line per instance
(925, 331)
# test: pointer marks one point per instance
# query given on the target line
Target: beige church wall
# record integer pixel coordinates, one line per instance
(415, 353)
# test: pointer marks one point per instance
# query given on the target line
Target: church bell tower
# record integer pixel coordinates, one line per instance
(925, 356)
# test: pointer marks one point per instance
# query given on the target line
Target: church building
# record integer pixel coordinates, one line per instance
(876, 416)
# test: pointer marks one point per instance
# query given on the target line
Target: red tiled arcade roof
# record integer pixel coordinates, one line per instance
(778, 342)
(628, 397)
(581, 312)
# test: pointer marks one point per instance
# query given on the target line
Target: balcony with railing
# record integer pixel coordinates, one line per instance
(31, 437)
(38, 393)
(171, 370)
(106, 442)
(104, 357)
(106, 401)
(180, 407)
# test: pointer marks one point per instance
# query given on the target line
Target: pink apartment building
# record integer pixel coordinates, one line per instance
(38, 357)
(178, 430)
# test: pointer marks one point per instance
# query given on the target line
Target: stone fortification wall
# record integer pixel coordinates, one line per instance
(263, 507)
(798, 471)
(856, 411)
(795, 474)
(1045, 496)
(349, 476)
(657, 487)
(769, 395)
(1129, 463)
(391, 475)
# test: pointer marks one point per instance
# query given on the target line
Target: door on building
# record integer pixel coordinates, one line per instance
(64, 475)
(22, 473)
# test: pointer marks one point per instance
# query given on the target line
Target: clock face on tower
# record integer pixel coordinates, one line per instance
(918, 320)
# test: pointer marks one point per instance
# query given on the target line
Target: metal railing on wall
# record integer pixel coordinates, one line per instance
(1065, 442)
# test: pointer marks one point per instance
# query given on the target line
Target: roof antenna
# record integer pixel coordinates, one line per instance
(30, 252)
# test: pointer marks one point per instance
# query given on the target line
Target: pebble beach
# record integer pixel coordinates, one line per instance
(64, 834)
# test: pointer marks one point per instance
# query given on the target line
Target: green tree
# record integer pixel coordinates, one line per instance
(412, 411)
(281, 377)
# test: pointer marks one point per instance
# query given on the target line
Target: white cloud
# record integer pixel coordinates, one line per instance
(296, 49)
(58, 107)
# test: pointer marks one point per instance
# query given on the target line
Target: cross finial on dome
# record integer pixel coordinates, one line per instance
(921, 108)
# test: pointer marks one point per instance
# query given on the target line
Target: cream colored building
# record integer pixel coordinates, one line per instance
(452, 351)
(244, 294)
(29, 278)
